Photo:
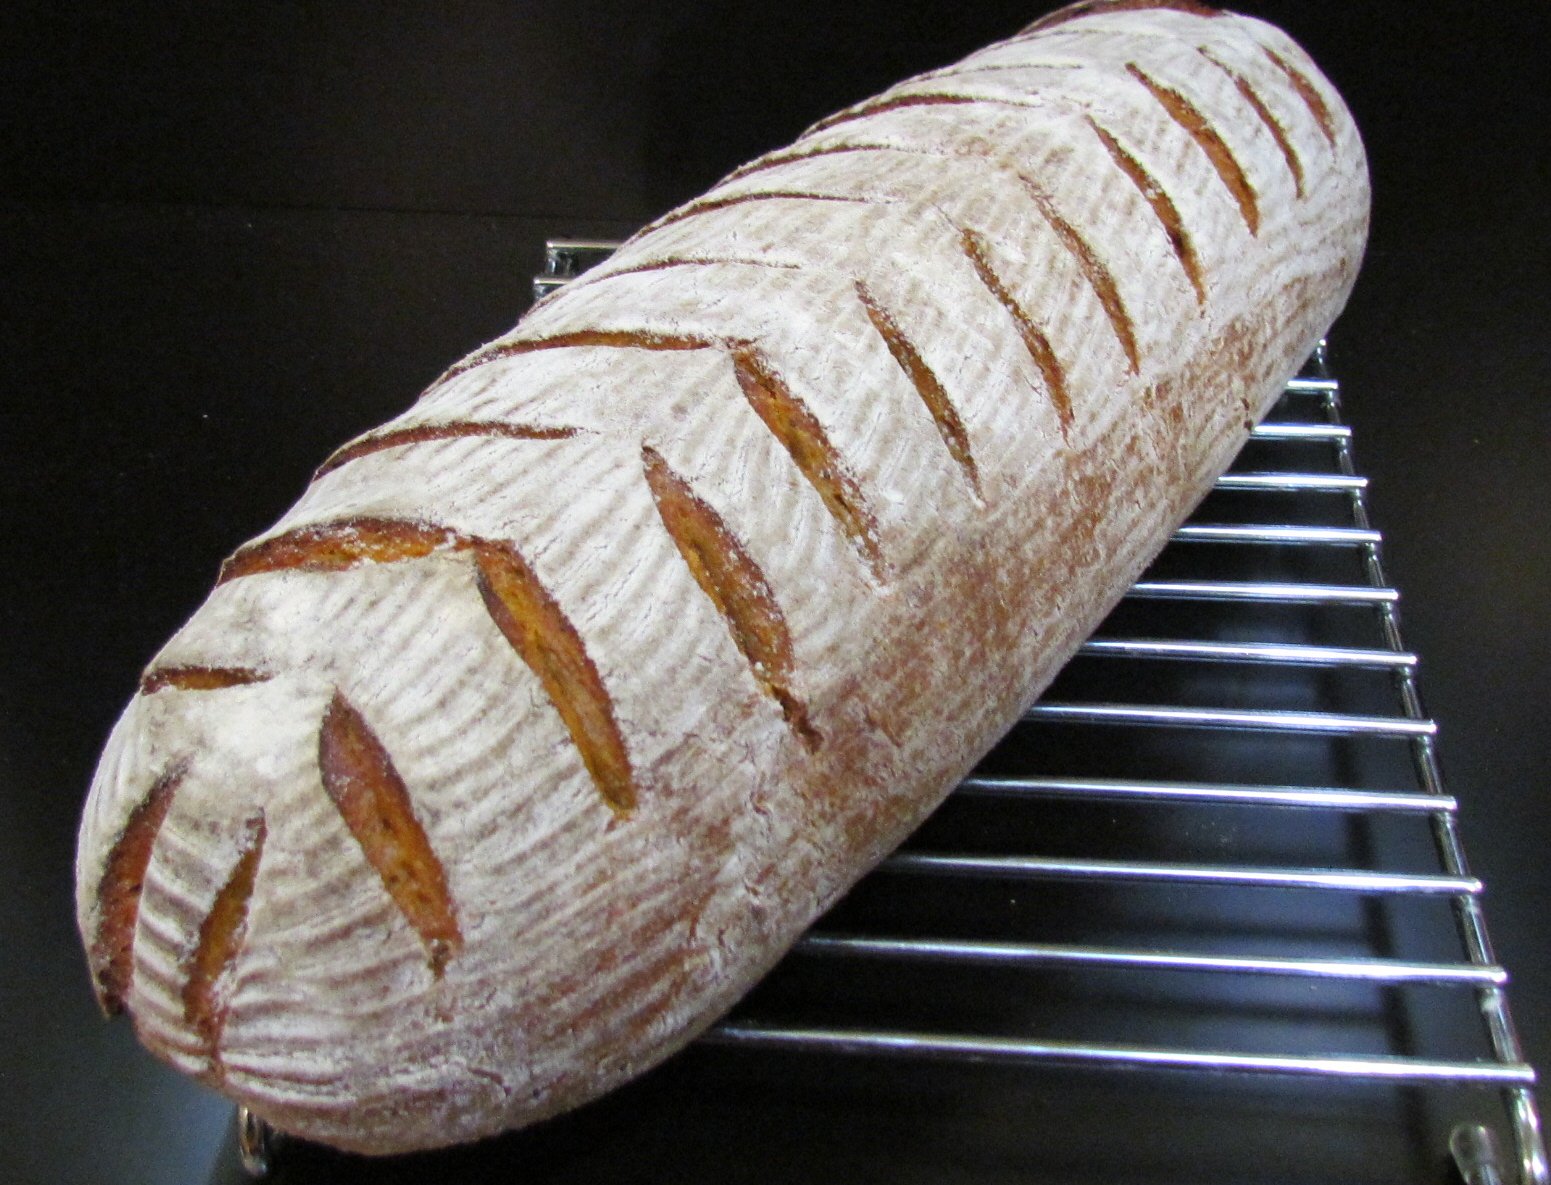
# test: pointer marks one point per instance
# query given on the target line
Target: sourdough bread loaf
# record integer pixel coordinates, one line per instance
(558, 707)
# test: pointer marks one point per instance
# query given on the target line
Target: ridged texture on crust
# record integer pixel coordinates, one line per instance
(522, 745)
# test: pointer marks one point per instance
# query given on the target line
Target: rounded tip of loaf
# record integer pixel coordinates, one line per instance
(556, 709)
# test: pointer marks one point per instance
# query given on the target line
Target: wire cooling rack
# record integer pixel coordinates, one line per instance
(1219, 854)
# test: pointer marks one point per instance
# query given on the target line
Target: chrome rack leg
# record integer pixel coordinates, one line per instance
(1477, 1155)
(257, 1143)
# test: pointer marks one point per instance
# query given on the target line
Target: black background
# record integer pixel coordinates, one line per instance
(234, 236)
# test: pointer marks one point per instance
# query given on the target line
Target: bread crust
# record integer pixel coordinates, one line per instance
(557, 708)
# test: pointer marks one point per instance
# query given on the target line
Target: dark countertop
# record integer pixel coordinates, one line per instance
(233, 238)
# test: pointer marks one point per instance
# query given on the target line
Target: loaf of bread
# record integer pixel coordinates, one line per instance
(559, 706)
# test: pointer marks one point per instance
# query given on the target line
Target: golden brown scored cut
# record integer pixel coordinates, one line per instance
(559, 706)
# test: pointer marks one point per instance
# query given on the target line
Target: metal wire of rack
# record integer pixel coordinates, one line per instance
(1274, 575)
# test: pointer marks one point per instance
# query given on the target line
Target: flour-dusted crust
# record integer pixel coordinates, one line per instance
(519, 748)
